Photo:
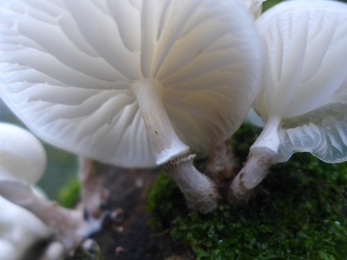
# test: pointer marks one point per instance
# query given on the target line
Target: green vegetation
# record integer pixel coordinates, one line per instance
(68, 196)
(299, 213)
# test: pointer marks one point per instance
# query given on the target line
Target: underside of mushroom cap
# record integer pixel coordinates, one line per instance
(325, 139)
(22, 156)
(305, 43)
(307, 81)
(68, 72)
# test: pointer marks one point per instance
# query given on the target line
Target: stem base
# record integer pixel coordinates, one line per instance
(200, 192)
(258, 162)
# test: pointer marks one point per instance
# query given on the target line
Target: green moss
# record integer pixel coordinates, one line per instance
(68, 195)
(299, 214)
(164, 190)
(269, 3)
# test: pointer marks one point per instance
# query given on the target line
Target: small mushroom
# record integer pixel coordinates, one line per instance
(132, 83)
(304, 99)
(22, 162)
(70, 226)
(22, 156)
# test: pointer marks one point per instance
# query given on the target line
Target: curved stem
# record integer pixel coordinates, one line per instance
(255, 170)
(70, 226)
(200, 192)
(263, 154)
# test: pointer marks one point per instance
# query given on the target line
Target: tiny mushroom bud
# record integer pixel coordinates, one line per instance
(132, 83)
(22, 156)
(304, 99)
(23, 162)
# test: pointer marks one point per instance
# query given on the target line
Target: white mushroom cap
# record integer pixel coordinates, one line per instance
(22, 156)
(307, 79)
(69, 69)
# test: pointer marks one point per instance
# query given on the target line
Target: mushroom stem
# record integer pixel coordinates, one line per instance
(170, 151)
(221, 164)
(70, 225)
(255, 170)
(162, 136)
(200, 192)
(93, 195)
(263, 154)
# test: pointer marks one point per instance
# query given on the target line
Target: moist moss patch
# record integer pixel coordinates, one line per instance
(299, 212)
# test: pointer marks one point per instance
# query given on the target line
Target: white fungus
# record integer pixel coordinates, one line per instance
(132, 83)
(304, 98)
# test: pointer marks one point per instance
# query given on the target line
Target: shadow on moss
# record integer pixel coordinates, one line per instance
(299, 213)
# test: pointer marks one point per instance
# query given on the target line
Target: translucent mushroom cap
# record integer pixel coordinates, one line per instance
(22, 156)
(69, 68)
(306, 81)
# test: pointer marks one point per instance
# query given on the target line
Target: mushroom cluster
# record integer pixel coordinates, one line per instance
(22, 159)
(34, 217)
(147, 83)
(132, 83)
(304, 98)
(19, 230)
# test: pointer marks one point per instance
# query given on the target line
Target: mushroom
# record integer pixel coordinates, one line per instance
(132, 83)
(304, 99)
(23, 162)
(20, 229)
(70, 226)
(22, 156)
